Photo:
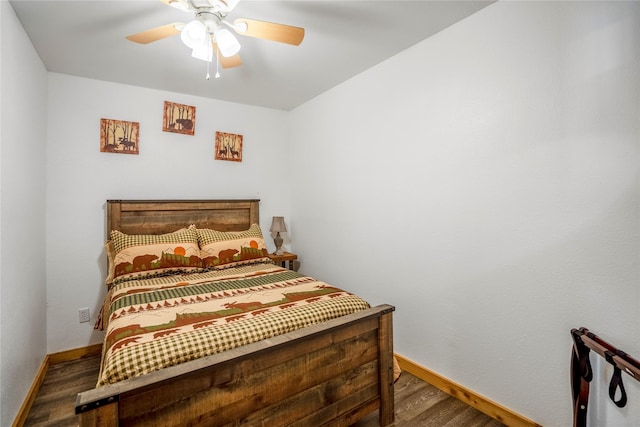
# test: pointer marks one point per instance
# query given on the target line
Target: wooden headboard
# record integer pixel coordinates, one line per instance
(165, 216)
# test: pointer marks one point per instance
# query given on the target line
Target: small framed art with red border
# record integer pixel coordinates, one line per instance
(228, 147)
(119, 136)
(179, 118)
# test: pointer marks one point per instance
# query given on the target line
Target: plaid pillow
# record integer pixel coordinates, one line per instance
(148, 255)
(224, 249)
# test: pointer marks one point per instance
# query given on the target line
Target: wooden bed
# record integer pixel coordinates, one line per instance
(333, 373)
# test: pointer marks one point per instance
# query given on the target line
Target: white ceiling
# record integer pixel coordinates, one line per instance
(342, 38)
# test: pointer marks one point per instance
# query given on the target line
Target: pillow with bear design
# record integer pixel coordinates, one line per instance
(225, 249)
(149, 255)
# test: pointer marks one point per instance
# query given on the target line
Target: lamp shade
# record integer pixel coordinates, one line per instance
(277, 224)
(228, 44)
(203, 51)
(194, 34)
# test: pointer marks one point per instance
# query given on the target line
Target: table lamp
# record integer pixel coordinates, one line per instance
(277, 225)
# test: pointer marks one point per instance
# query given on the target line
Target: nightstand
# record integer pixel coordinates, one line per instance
(284, 259)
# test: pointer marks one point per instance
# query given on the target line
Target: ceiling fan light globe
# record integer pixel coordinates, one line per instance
(203, 52)
(228, 44)
(194, 34)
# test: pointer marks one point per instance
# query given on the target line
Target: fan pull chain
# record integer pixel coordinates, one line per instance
(217, 63)
(208, 76)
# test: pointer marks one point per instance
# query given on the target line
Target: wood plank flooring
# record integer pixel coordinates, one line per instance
(417, 403)
(55, 403)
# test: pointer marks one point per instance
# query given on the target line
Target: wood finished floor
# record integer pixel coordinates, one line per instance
(417, 402)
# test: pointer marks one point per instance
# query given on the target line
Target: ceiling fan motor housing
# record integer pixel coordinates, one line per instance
(211, 19)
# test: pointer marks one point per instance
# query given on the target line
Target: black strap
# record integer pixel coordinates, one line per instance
(616, 383)
(585, 366)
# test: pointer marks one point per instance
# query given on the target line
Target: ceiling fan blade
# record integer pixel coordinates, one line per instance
(269, 31)
(228, 5)
(177, 4)
(230, 62)
(154, 34)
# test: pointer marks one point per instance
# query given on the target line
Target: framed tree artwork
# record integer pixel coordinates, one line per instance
(119, 136)
(179, 118)
(228, 146)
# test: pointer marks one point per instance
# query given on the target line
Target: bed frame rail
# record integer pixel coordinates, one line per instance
(333, 373)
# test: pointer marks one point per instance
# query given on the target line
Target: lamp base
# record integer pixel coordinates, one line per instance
(278, 241)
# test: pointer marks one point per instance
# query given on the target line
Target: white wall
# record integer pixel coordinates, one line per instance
(485, 182)
(80, 179)
(22, 204)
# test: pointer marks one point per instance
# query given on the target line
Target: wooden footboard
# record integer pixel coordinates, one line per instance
(334, 373)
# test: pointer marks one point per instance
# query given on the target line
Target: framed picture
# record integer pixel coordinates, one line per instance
(228, 146)
(119, 136)
(179, 118)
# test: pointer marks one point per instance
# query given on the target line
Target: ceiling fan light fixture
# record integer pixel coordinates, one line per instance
(227, 42)
(203, 52)
(194, 34)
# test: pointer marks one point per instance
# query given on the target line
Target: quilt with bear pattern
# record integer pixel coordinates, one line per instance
(155, 323)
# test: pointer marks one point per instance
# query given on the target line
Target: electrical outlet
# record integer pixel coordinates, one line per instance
(83, 315)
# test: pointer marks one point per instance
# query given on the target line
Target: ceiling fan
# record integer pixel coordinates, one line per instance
(208, 33)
